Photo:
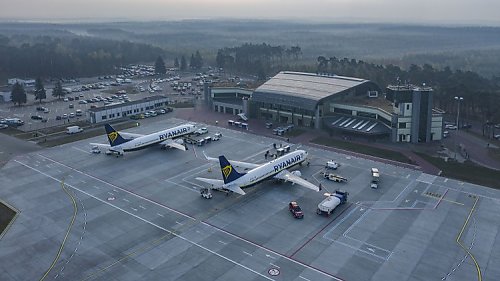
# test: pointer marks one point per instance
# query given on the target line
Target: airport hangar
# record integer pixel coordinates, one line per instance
(339, 104)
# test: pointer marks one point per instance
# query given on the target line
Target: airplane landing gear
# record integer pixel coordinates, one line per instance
(205, 193)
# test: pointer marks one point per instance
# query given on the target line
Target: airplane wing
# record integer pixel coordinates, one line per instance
(101, 145)
(174, 144)
(287, 176)
(131, 135)
(240, 164)
(217, 184)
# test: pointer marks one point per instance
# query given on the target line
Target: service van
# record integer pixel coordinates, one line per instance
(73, 130)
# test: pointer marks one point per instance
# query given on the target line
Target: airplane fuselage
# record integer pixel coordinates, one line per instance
(271, 169)
(155, 138)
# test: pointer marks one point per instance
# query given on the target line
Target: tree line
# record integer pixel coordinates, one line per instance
(258, 59)
(481, 95)
(69, 57)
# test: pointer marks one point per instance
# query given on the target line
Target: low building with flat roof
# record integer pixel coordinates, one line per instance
(122, 110)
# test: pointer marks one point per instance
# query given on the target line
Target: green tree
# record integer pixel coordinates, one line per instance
(176, 63)
(198, 60)
(58, 91)
(40, 93)
(192, 62)
(160, 66)
(220, 58)
(183, 63)
(18, 95)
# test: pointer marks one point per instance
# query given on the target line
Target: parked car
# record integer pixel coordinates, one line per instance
(82, 102)
(72, 115)
(71, 105)
(36, 117)
(450, 127)
(58, 117)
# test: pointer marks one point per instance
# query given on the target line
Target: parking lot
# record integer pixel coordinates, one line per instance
(141, 217)
(65, 110)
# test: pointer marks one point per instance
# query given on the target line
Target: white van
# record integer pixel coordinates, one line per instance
(73, 129)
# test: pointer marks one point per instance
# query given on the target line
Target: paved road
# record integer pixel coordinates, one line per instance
(475, 147)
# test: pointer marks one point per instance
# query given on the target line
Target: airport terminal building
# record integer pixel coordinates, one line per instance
(341, 105)
(121, 110)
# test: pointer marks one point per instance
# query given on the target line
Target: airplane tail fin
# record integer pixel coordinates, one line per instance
(229, 174)
(114, 137)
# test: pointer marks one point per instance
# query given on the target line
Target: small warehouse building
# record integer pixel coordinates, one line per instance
(121, 110)
(5, 97)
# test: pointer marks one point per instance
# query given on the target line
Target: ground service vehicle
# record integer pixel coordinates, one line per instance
(201, 131)
(216, 136)
(296, 211)
(332, 165)
(73, 129)
(335, 178)
(375, 178)
(332, 201)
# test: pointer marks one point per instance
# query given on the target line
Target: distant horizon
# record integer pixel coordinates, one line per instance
(284, 20)
(423, 12)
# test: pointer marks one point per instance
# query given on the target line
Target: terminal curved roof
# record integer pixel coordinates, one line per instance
(303, 90)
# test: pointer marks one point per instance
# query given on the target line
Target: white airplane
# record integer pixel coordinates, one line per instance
(118, 144)
(277, 168)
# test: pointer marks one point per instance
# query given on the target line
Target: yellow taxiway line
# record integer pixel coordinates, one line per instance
(75, 210)
(442, 199)
(479, 276)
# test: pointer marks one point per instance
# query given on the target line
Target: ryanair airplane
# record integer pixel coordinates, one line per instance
(277, 169)
(123, 142)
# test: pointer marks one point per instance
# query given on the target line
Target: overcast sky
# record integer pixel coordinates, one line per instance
(414, 11)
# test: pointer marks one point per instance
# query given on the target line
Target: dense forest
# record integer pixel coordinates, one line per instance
(259, 60)
(45, 56)
(474, 48)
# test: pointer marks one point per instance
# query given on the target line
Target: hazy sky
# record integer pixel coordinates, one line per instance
(414, 11)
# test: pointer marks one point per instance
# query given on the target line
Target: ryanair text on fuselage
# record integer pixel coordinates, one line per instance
(172, 134)
(287, 163)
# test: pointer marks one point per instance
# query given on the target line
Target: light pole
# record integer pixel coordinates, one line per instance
(458, 99)
(458, 108)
